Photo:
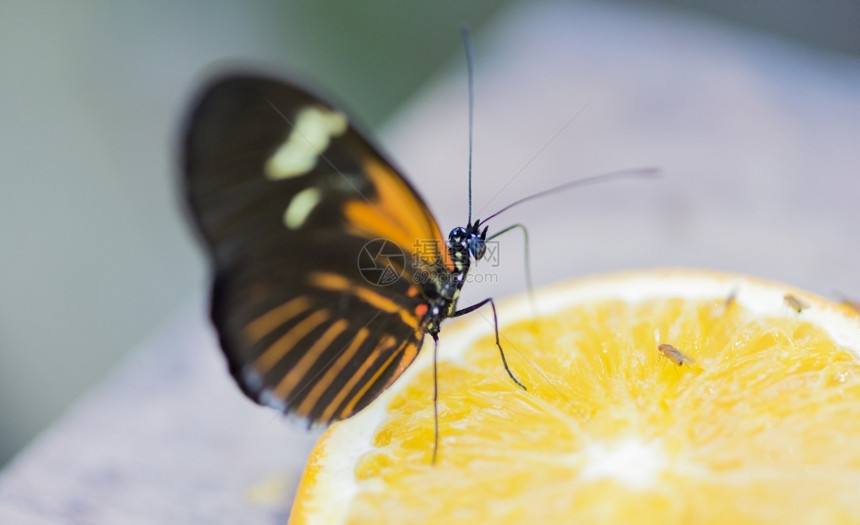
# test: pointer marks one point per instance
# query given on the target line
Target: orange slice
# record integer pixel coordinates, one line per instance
(760, 424)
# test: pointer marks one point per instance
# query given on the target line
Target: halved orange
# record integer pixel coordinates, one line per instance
(760, 425)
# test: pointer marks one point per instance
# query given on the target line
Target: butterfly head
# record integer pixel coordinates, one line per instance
(467, 243)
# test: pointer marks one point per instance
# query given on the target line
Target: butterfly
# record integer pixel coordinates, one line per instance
(329, 268)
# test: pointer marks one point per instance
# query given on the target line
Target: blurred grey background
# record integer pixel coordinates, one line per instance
(94, 248)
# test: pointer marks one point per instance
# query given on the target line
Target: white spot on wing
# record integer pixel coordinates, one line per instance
(314, 128)
(301, 206)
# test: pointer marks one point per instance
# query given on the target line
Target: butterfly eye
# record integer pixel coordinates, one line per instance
(477, 247)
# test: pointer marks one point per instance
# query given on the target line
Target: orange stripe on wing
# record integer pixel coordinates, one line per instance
(409, 355)
(348, 409)
(266, 323)
(400, 203)
(398, 214)
(307, 360)
(368, 220)
(338, 283)
(384, 345)
(277, 350)
(325, 382)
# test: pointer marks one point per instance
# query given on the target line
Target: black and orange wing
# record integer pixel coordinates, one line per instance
(315, 315)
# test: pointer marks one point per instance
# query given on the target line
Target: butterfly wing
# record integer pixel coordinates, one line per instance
(324, 255)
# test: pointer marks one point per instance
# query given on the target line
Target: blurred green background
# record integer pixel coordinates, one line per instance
(95, 251)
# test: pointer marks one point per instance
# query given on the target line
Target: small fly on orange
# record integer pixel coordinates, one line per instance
(796, 304)
(676, 356)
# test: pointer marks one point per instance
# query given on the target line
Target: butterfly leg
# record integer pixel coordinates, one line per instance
(435, 399)
(529, 286)
(474, 307)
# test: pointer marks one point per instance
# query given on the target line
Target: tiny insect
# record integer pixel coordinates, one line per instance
(731, 299)
(722, 308)
(796, 304)
(676, 356)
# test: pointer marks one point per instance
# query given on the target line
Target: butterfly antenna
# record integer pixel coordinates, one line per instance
(467, 43)
(636, 173)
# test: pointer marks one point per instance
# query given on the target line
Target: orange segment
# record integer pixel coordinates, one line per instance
(761, 426)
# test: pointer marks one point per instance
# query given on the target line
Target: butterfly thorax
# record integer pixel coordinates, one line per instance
(464, 244)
